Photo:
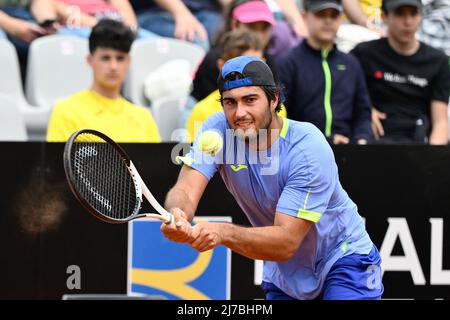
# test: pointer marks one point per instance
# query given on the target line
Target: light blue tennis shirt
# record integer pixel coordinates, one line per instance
(297, 176)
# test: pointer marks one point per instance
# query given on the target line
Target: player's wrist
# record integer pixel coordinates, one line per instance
(226, 233)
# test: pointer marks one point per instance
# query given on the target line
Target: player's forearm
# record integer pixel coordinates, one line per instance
(178, 198)
(263, 243)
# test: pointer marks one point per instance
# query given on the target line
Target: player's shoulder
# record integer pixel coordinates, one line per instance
(298, 131)
(306, 139)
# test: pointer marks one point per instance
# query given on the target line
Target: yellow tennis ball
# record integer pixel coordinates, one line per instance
(210, 142)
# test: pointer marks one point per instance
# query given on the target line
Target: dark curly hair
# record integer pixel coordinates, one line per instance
(111, 34)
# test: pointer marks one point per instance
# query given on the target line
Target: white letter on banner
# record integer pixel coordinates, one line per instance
(398, 227)
(437, 275)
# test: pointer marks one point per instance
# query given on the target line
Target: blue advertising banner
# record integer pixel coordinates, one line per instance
(160, 267)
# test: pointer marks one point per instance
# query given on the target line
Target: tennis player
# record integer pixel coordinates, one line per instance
(304, 225)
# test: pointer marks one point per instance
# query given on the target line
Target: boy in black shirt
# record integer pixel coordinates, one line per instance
(408, 81)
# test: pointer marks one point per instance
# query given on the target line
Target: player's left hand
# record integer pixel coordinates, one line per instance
(206, 236)
(180, 229)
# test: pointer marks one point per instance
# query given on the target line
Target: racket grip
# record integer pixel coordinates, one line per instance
(171, 219)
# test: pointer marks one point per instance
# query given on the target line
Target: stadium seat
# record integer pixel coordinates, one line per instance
(10, 78)
(12, 126)
(35, 118)
(57, 68)
(147, 55)
(167, 111)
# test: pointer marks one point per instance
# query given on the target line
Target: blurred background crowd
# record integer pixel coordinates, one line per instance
(362, 71)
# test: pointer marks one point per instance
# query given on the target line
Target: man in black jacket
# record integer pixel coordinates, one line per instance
(323, 85)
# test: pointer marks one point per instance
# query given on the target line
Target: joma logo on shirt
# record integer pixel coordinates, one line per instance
(238, 167)
(396, 78)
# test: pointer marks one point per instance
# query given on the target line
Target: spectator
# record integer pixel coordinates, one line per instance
(409, 81)
(290, 28)
(191, 20)
(79, 16)
(248, 15)
(102, 108)
(233, 44)
(325, 86)
(20, 19)
(363, 23)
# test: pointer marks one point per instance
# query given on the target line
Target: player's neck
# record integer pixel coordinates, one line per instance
(404, 49)
(110, 93)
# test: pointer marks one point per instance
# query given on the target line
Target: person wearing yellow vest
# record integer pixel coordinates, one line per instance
(233, 44)
(102, 107)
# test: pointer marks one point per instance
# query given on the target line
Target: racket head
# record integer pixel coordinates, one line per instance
(97, 171)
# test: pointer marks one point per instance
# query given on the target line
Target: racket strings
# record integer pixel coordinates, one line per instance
(102, 177)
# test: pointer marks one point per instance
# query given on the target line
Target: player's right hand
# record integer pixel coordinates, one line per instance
(180, 230)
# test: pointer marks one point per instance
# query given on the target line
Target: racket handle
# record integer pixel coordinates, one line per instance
(167, 217)
(171, 219)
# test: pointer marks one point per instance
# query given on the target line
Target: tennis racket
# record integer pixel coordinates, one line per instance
(105, 181)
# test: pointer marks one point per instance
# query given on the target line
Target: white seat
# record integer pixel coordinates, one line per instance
(57, 68)
(147, 55)
(10, 78)
(166, 112)
(36, 118)
(12, 126)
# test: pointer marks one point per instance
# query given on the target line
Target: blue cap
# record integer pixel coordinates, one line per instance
(245, 71)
